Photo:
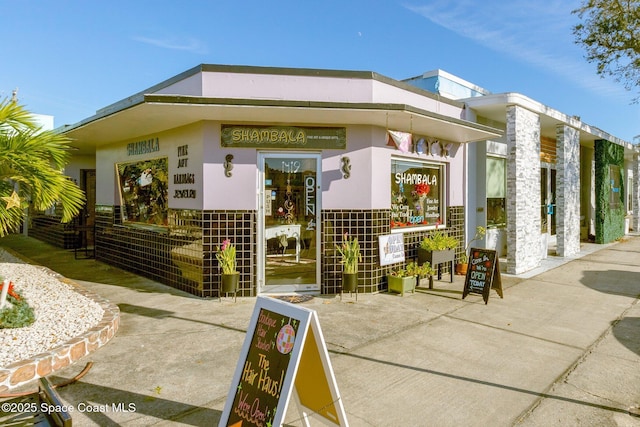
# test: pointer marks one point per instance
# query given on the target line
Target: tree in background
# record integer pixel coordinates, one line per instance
(610, 33)
(31, 169)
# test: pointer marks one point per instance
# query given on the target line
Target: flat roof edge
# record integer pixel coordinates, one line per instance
(251, 69)
(516, 98)
(197, 100)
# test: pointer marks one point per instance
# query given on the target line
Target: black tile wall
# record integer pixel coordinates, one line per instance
(48, 228)
(240, 228)
(367, 226)
(182, 255)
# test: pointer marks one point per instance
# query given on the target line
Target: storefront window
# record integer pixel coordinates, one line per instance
(496, 192)
(416, 194)
(144, 191)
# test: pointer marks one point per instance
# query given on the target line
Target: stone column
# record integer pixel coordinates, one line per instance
(568, 190)
(524, 250)
(635, 195)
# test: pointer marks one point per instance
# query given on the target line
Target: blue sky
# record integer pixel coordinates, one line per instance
(71, 58)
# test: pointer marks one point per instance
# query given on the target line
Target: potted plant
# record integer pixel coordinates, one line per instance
(437, 248)
(226, 256)
(401, 280)
(350, 252)
(463, 261)
(422, 273)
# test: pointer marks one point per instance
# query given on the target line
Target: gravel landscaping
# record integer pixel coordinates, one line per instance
(61, 313)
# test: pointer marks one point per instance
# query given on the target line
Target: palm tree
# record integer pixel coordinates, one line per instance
(31, 169)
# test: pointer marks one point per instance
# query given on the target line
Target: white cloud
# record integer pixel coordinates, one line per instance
(186, 44)
(534, 32)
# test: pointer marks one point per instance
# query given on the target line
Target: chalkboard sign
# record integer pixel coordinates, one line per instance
(483, 274)
(283, 352)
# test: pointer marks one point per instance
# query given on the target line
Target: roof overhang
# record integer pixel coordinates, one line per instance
(150, 114)
(494, 106)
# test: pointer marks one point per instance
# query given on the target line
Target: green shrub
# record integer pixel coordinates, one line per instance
(438, 241)
(17, 315)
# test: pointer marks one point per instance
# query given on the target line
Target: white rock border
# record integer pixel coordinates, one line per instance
(46, 359)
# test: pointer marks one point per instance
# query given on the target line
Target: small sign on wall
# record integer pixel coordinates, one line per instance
(391, 248)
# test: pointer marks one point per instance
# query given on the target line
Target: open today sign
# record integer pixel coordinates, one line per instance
(483, 274)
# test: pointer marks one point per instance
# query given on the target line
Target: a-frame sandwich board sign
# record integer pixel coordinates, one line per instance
(483, 274)
(283, 354)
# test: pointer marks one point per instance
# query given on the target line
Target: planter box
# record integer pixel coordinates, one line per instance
(496, 239)
(437, 257)
(401, 285)
(425, 282)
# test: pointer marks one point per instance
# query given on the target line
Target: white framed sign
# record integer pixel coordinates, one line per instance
(391, 248)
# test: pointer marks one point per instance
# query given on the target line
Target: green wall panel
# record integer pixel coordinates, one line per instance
(609, 167)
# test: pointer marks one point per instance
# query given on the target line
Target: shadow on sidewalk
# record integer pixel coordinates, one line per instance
(615, 282)
(97, 402)
(486, 383)
(627, 332)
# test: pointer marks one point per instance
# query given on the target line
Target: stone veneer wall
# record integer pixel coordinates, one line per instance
(367, 225)
(568, 191)
(523, 190)
(635, 195)
(609, 220)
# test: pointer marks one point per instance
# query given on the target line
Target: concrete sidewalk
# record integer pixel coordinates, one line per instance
(561, 349)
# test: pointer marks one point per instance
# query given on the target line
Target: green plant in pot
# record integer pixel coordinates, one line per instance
(437, 248)
(403, 279)
(438, 241)
(463, 260)
(349, 250)
(226, 255)
(421, 271)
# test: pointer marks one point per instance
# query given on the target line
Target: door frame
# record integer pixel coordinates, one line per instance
(550, 174)
(260, 232)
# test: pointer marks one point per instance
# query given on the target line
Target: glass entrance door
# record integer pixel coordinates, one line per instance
(548, 200)
(288, 223)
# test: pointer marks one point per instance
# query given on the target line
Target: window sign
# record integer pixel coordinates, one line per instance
(144, 191)
(416, 194)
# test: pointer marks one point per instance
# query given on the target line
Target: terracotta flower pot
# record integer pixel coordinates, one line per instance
(461, 269)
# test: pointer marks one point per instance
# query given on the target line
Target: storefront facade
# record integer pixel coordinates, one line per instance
(549, 183)
(284, 162)
(281, 162)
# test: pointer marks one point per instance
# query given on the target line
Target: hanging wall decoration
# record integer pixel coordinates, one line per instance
(228, 165)
(289, 205)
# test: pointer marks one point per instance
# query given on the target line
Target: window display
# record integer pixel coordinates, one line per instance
(416, 194)
(144, 191)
